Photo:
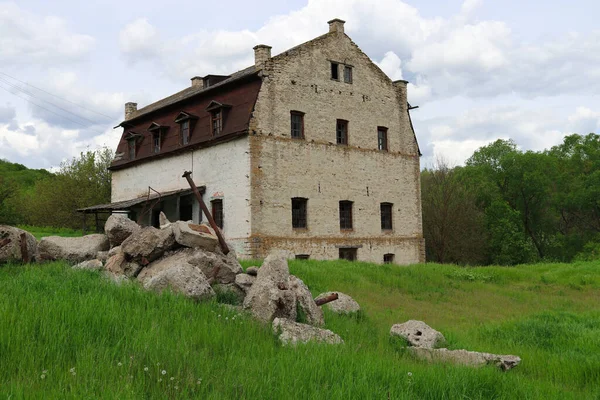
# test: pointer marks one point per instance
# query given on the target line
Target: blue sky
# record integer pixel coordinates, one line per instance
(479, 69)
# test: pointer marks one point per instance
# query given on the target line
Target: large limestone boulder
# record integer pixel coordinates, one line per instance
(465, 357)
(91, 265)
(216, 266)
(193, 235)
(270, 296)
(118, 228)
(292, 333)
(72, 249)
(244, 281)
(117, 265)
(343, 305)
(147, 244)
(418, 334)
(10, 244)
(305, 302)
(182, 278)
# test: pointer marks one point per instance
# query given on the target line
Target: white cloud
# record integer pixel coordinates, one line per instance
(7, 113)
(140, 41)
(26, 39)
(391, 65)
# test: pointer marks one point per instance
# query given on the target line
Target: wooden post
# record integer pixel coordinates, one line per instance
(328, 299)
(213, 224)
(24, 250)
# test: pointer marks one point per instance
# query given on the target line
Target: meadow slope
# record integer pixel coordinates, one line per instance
(74, 334)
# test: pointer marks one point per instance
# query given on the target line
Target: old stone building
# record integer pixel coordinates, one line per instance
(311, 151)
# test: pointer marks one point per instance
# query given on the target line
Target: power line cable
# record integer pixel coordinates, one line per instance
(15, 86)
(55, 113)
(58, 97)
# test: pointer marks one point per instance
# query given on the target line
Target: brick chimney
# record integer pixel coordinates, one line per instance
(401, 90)
(130, 109)
(262, 53)
(198, 82)
(336, 25)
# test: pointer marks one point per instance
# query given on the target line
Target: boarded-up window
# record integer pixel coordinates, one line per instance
(297, 125)
(341, 132)
(302, 256)
(345, 215)
(217, 212)
(299, 212)
(386, 216)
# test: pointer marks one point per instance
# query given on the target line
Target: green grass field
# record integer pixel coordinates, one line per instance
(73, 334)
(39, 232)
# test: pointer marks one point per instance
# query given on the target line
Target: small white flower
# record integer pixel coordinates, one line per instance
(199, 381)
(172, 378)
(120, 364)
(163, 372)
(219, 316)
(131, 358)
(146, 369)
(160, 380)
(72, 370)
(410, 374)
(45, 371)
(176, 387)
(73, 373)
(43, 376)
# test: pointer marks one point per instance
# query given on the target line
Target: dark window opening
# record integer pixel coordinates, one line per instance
(297, 125)
(388, 258)
(302, 256)
(131, 146)
(386, 216)
(155, 218)
(217, 122)
(156, 142)
(186, 208)
(341, 132)
(334, 71)
(347, 74)
(348, 254)
(345, 215)
(185, 132)
(299, 212)
(382, 139)
(217, 212)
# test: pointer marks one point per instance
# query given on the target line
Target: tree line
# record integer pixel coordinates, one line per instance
(41, 198)
(508, 206)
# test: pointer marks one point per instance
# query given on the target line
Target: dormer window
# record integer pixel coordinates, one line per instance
(185, 121)
(218, 112)
(158, 132)
(132, 141)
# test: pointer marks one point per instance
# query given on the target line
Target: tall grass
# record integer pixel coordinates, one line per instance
(73, 334)
(42, 231)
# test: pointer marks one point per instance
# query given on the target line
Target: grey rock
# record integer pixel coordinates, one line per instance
(94, 265)
(148, 244)
(163, 221)
(72, 249)
(182, 278)
(292, 333)
(118, 265)
(418, 334)
(11, 251)
(102, 256)
(113, 251)
(305, 301)
(343, 305)
(252, 271)
(269, 296)
(118, 228)
(225, 267)
(194, 236)
(244, 281)
(465, 357)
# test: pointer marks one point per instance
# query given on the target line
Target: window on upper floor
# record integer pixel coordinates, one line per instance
(341, 131)
(347, 74)
(386, 216)
(217, 212)
(382, 138)
(186, 126)
(297, 125)
(388, 258)
(131, 148)
(156, 142)
(217, 121)
(335, 70)
(157, 132)
(299, 212)
(345, 215)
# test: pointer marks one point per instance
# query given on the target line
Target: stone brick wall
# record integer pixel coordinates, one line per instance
(324, 172)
